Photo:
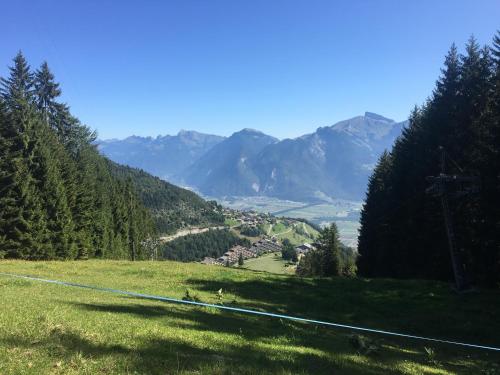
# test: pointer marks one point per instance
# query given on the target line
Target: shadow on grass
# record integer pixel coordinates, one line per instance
(255, 345)
(423, 308)
(249, 328)
(167, 356)
(329, 350)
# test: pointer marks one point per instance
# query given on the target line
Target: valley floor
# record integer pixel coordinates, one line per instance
(344, 213)
(52, 329)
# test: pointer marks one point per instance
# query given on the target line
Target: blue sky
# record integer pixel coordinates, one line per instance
(283, 67)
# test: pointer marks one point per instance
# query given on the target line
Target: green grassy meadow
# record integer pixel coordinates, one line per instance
(297, 233)
(52, 329)
(272, 263)
(231, 222)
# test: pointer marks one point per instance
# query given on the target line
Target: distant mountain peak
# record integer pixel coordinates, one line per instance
(136, 139)
(375, 116)
(184, 133)
(334, 161)
(164, 156)
(371, 126)
(249, 131)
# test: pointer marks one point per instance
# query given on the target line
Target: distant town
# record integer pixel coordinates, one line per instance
(260, 228)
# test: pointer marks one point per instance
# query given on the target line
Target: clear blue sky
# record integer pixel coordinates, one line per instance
(283, 67)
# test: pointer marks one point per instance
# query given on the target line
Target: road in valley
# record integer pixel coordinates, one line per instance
(186, 231)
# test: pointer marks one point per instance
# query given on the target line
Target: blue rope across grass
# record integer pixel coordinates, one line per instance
(248, 311)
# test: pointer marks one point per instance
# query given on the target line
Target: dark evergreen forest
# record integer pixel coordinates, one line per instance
(172, 207)
(402, 226)
(195, 247)
(58, 196)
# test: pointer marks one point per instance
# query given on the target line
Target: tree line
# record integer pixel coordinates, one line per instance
(402, 231)
(195, 247)
(58, 196)
(330, 258)
(251, 230)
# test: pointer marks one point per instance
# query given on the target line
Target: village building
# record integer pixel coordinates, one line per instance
(265, 246)
(304, 248)
(233, 254)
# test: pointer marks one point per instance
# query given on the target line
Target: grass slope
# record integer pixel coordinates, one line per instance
(297, 233)
(272, 263)
(52, 329)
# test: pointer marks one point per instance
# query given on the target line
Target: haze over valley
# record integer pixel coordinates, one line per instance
(334, 162)
(253, 170)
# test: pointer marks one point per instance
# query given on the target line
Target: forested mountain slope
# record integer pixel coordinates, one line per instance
(171, 206)
(58, 197)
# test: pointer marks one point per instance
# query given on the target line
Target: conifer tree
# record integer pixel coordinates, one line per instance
(330, 247)
(53, 194)
(5, 160)
(17, 89)
(22, 219)
(46, 90)
(373, 234)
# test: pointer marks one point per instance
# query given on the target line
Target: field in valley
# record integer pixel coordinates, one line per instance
(52, 329)
(296, 233)
(272, 263)
(344, 212)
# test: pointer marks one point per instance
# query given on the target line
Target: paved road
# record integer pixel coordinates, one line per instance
(185, 232)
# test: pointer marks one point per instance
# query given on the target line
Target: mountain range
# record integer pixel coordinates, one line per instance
(163, 156)
(333, 162)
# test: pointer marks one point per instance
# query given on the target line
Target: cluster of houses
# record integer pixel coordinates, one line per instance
(253, 218)
(232, 256)
(263, 246)
(266, 246)
(250, 218)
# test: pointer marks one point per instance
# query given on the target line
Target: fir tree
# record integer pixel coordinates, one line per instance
(17, 89)
(330, 247)
(54, 197)
(22, 219)
(46, 90)
(374, 234)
